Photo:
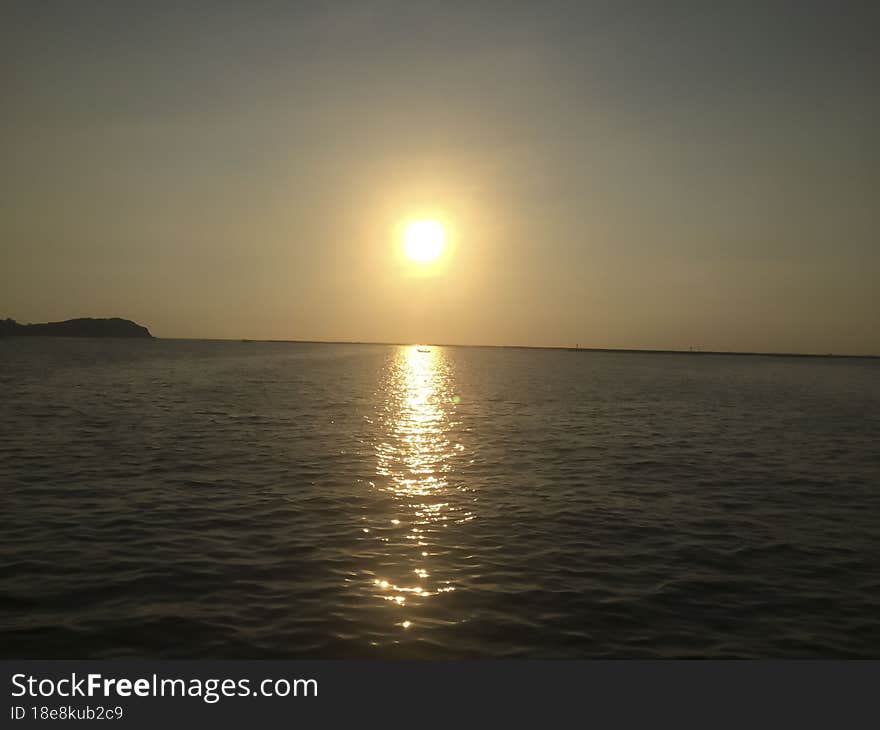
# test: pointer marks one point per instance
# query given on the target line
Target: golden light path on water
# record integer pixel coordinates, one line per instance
(414, 461)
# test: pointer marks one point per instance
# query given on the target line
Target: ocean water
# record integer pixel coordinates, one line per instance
(200, 499)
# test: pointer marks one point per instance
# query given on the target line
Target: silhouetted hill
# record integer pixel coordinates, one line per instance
(83, 327)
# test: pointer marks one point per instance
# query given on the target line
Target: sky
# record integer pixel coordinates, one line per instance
(611, 174)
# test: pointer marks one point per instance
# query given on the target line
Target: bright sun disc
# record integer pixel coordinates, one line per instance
(424, 240)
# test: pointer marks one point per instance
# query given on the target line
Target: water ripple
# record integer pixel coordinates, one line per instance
(211, 499)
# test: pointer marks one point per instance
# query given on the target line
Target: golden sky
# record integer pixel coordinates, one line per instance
(610, 174)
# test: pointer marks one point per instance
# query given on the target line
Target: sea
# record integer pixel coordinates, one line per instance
(224, 499)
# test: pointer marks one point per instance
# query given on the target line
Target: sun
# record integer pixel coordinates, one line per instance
(424, 240)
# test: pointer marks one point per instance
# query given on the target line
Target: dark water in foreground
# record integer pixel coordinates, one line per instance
(225, 499)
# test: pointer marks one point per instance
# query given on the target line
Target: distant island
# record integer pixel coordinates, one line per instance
(82, 327)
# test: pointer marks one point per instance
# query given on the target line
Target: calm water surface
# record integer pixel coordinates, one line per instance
(224, 499)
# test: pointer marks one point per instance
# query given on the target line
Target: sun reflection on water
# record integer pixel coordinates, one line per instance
(415, 456)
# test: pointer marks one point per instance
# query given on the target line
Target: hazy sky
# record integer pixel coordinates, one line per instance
(615, 174)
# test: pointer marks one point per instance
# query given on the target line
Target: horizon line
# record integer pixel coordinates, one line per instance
(664, 351)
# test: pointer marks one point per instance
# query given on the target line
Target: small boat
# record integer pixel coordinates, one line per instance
(422, 349)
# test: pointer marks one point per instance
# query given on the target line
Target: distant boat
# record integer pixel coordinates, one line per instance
(423, 349)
